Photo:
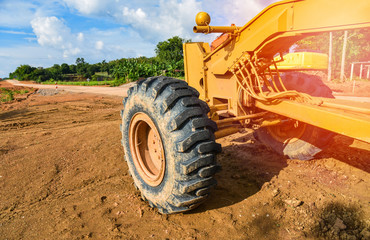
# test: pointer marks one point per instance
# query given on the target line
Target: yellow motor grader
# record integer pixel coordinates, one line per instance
(169, 126)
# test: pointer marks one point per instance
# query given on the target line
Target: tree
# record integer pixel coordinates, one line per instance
(22, 72)
(56, 72)
(72, 68)
(40, 74)
(104, 66)
(80, 60)
(91, 69)
(81, 67)
(64, 68)
(170, 51)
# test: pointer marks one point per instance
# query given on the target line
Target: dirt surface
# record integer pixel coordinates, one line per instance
(62, 176)
(111, 91)
(350, 88)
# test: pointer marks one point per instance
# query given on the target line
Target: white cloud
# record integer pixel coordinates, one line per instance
(156, 21)
(80, 37)
(50, 31)
(91, 6)
(152, 20)
(73, 51)
(93, 44)
(169, 18)
(99, 45)
(116, 43)
(134, 15)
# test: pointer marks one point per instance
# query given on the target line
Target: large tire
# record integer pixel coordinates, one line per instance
(298, 140)
(169, 144)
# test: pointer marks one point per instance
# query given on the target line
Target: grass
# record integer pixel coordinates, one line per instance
(7, 95)
(112, 83)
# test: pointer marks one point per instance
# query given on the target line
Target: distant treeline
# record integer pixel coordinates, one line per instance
(168, 61)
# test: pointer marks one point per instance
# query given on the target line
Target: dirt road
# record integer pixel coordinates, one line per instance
(112, 91)
(62, 176)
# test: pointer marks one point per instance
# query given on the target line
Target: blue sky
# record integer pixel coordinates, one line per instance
(47, 32)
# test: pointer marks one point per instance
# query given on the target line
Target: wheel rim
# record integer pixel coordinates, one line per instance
(288, 132)
(147, 149)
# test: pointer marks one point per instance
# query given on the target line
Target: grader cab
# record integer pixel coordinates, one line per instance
(169, 126)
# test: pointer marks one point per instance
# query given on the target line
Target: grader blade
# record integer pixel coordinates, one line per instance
(346, 119)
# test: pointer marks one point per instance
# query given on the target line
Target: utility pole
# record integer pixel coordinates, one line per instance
(330, 54)
(343, 55)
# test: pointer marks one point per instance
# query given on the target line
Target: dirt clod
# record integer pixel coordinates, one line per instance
(293, 202)
(339, 224)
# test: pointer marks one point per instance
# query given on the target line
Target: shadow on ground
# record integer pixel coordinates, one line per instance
(246, 166)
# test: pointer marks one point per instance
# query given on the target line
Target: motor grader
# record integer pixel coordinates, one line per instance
(169, 126)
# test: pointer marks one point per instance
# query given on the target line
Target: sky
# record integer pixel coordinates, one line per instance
(42, 33)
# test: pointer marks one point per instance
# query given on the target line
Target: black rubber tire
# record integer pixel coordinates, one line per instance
(306, 83)
(188, 140)
(313, 139)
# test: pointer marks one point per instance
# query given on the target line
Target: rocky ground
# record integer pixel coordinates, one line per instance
(62, 176)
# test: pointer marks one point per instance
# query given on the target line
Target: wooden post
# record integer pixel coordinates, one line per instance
(330, 55)
(352, 64)
(361, 71)
(343, 55)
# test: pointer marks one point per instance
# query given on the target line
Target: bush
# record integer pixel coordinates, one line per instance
(6, 95)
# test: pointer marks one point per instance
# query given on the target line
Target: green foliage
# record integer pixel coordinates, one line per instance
(84, 83)
(169, 61)
(80, 61)
(6, 95)
(55, 71)
(170, 56)
(23, 72)
(72, 68)
(170, 51)
(64, 68)
(134, 68)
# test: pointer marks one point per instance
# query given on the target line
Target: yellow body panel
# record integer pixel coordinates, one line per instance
(303, 61)
(194, 66)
